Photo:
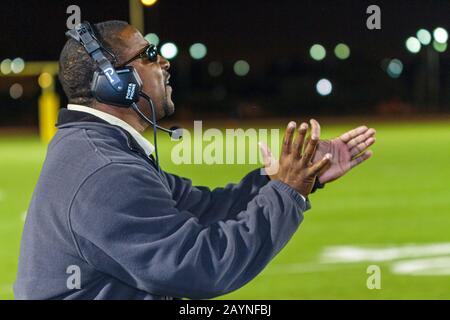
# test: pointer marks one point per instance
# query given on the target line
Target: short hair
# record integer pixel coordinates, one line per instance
(76, 67)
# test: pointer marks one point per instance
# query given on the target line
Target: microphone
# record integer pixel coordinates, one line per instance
(175, 132)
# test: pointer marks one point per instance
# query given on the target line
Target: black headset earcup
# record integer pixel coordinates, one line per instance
(104, 92)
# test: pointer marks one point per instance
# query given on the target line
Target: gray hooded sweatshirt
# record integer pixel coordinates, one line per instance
(103, 223)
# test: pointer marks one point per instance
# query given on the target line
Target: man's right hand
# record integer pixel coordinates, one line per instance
(294, 168)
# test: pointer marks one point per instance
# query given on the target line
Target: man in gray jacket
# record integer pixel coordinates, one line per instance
(105, 223)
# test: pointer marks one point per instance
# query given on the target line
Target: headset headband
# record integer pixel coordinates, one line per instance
(83, 34)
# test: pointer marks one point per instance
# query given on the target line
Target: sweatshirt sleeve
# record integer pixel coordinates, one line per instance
(217, 204)
(127, 224)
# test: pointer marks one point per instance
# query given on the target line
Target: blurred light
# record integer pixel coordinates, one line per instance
(324, 87)
(440, 35)
(148, 3)
(342, 51)
(5, 66)
(424, 36)
(16, 91)
(413, 45)
(317, 52)
(152, 38)
(45, 80)
(439, 47)
(198, 51)
(169, 50)
(395, 68)
(241, 68)
(17, 65)
(215, 69)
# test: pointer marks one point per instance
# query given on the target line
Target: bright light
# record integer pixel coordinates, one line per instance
(317, 52)
(324, 87)
(439, 47)
(215, 69)
(413, 45)
(395, 68)
(424, 36)
(152, 38)
(440, 35)
(198, 51)
(45, 80)
(16, 91)
(148, 3)
(241, 68)
(169, 50)
(17, 65)
(5, 66)
(342, 51)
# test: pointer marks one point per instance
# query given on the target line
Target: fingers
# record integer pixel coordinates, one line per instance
(362, 146)
(312, 144)
(287, 140)
(299, 141)
(321, 166)
(361, 138)
(346, 137)
(363, 157)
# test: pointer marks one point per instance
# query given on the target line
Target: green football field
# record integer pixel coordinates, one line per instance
(392, 212)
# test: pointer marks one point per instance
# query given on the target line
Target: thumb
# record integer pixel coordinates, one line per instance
(266, 154)
(270, 164)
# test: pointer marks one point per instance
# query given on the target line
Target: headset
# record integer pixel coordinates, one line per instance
(120, 87)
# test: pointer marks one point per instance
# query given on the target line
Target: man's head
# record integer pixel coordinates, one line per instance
(125, 42)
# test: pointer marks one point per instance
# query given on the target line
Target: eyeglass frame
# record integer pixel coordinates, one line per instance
(144, 54)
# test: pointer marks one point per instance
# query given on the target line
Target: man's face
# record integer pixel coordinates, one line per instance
(154, 75)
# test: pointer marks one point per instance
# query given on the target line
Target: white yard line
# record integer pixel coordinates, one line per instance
(354, 254)
(413, 259)
(423, 267)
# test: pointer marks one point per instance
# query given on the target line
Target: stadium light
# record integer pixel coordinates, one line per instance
(424, 37)
(342, 51)
(317, 52)
(152, 38)
(169, 50)
(16, 91)
(440, 35)
(148, 3)
(439, 47)
(241, 68)
(413, 45)
(45, 80)
(17, 65)
(5, 66)
(394, 68)
(324, 87)
(198, 51)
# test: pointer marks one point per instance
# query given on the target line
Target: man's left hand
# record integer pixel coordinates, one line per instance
(348, 150)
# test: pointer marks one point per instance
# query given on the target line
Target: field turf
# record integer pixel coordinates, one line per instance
(399, 199)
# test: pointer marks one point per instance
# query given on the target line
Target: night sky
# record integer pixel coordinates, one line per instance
(256, 30)
(273, 36)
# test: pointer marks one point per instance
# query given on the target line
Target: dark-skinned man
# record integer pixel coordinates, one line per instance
(105, 223)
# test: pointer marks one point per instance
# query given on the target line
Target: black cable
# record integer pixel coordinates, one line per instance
(153, 123)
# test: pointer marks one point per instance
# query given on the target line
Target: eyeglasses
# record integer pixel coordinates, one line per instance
(150, 53)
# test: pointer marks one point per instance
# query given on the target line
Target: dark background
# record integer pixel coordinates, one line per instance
(273, 36)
